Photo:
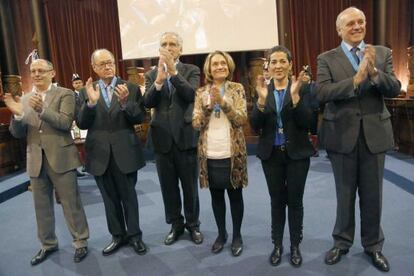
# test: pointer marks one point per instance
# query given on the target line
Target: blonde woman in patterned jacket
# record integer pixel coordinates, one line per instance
(220, 113)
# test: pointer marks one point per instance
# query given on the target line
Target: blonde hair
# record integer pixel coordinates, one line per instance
(207, 65)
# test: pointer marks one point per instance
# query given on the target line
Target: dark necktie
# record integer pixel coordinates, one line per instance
(354, 54)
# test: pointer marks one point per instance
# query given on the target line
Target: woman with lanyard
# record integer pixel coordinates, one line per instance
(281, 116)
(220, 113)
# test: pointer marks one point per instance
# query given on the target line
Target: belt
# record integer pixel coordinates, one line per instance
(280, 147)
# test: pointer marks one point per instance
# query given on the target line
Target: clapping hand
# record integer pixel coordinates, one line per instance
(122, 92)
(36, 102)
(14, 104)
(296, 85)
(93, 93)
(261, 89)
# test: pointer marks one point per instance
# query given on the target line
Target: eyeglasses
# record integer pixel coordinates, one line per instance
(105, 63)
(39, 71)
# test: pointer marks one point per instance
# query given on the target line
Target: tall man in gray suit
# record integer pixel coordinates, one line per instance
(356, 131)
(170, 91)
(109, 109)
(45, 116)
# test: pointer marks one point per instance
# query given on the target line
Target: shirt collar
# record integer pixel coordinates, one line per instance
(361, 45)
(35, 90)
(111, 84)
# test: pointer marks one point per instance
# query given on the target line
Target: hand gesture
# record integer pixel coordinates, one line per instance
(261, 89)
(168, 60)
(36, 102)
(295, 87)
(161, 73)
(14, 104)
(122, 92)
(362, 73)
(215, 95)
(369, 55)
(93, 94)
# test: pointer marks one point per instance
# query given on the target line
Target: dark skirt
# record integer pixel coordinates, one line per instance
(219, 173)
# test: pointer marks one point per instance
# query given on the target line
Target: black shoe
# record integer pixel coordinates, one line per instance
(334, 255)
(80, 254)
(172, 236)
(379, 260)
(276, 255)
(139, 246)
(219, 244)
(237, 246)
(196, 236)
(79, 174)
(42, 255)
(295, 256)
(116, 243)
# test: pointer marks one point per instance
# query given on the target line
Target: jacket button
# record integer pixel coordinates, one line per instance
(358, 114)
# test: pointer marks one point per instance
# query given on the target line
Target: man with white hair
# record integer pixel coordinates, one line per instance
(356, 131)
(170, 91)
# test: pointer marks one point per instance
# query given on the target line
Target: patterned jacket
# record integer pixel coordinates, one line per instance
(236, 112)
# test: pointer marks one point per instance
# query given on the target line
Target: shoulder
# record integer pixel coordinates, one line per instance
(63, 90)
(382, 49)
(190, 67)
(329, 54)
(151, 72)
(235, 86)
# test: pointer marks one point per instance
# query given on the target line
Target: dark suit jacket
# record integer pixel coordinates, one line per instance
(172, 116)
(49, 132)
(111, 130)
(346, 108)
(296, 123)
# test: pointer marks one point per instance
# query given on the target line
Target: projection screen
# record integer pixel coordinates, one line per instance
(205, 25)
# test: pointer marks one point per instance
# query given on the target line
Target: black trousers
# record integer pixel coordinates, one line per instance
(359, 171)
(120, 201)
(173, 167)
(286, 183)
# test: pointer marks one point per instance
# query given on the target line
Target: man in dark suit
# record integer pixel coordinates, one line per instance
(170, 91)
(109, 110)
(45, 116)
(77, 84)
(356, 131)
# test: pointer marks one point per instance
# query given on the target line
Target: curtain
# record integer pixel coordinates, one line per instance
(75, 29)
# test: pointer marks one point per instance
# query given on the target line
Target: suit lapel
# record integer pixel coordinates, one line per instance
(50, 96)
(344, 62)
(288, 99)
(270, 101)
(114, 99)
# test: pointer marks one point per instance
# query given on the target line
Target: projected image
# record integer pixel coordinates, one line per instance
(205, 25)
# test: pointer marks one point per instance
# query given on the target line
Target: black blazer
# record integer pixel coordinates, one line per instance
(111, 130)
(296, 123)
(347, 108)
(172, 116)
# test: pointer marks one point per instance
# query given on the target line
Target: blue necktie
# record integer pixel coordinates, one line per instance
(354, 54)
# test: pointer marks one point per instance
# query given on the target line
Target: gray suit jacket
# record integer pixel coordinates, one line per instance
(347, 108)
(49, 132)
(111, 131)
(172, 117)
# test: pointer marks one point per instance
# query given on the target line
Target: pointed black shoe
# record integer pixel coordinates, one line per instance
(172, 236)
(80, 254)
(196, 236)
(42, 255)
(379, 260)
(276, 255)
(237, 247)
(139, 246)
(334, 255)
(219, 244)
(295, 256)
(116, 243)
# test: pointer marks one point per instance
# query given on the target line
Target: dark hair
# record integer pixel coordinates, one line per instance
(279, 48)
